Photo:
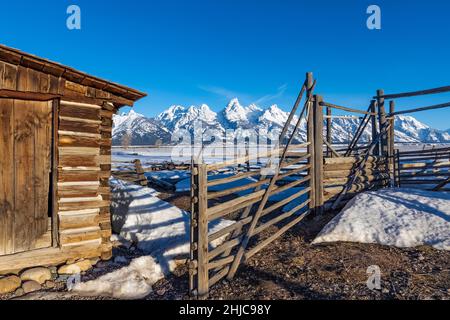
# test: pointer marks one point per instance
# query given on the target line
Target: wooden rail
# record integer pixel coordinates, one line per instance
(424, 169)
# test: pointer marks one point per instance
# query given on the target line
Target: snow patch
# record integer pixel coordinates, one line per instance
(393, 217)
(158, 228)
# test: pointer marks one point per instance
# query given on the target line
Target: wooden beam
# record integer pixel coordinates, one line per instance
(436, 106)
(415, 93)
(330, 105)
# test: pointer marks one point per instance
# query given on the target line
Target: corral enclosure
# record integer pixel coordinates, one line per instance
(55, 161)
(300, 183)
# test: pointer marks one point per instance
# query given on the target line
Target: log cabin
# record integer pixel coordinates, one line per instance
(55, 161)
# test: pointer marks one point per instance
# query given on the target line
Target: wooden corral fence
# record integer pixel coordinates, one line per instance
(425, 169)
(211, 263)
(256, 205)
(312, 177)
(134, 171)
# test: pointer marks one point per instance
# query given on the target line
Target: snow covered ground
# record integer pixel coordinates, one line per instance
(393, 217)
(158, 228)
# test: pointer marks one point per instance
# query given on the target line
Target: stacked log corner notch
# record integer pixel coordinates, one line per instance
(83, 176)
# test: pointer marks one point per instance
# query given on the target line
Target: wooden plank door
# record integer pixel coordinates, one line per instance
(25, 173)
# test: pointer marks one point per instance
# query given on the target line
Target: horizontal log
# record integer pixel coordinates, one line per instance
(96, 122)
(348, 166)
(360, 179)
(49, 256)
(79, 112)
(433, 107)
(336, 174)
(422, 174)
(330, 105)
(419, 181)
(355, 187)
(424, 151)
(77, 126)
(79, 134)
(424, 165)
(351, 160)
(69, 206)
(78, 161)
(66, 103)
(415, 93)
(77, 141)
(75, 176)
(77, 221)
(79, 235)
(79, 151)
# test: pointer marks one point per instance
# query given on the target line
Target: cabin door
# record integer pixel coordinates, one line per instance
(25, 164)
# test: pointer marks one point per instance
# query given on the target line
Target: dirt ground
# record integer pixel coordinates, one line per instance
(292, 268)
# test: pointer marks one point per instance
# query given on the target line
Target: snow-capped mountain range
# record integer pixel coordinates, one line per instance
(249, 121)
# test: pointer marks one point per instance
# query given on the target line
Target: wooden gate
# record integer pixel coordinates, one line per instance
(282, 194)
(25, 162)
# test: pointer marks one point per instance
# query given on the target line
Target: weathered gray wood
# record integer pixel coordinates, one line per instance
(373, 107)
(202, 232)
(7, 206)
(330, 105)
(318, 153)
(433, 107)
(330, 150)
(382, 123)
(257, 215)
(416, 93)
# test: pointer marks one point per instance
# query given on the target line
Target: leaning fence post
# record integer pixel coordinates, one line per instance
(318, 151)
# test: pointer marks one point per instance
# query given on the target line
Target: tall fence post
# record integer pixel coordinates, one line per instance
(310, 138)
(391, 141)
(329, 133)
(383, 123)
(318, 152)
(199, 240)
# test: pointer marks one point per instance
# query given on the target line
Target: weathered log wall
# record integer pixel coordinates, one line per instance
(84, 167)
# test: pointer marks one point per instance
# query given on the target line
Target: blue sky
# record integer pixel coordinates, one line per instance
(193, 52)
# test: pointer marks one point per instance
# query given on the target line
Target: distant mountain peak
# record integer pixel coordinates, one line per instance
(246, 120)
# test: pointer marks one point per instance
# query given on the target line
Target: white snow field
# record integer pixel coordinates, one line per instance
(393, 217)
(159, 228)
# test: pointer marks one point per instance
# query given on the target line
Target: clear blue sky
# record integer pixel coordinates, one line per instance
(193, 52)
